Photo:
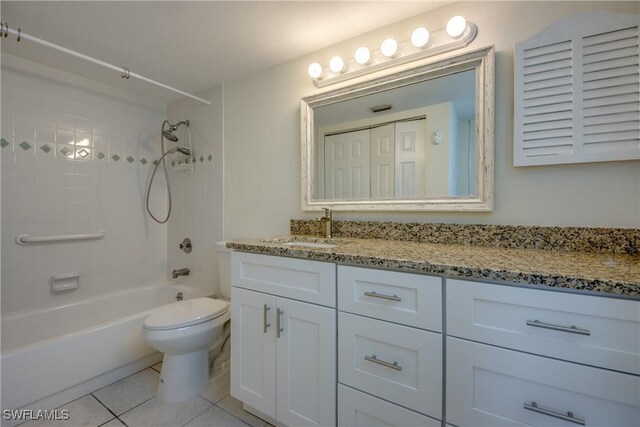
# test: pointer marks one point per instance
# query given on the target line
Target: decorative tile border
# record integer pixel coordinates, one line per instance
(574, 239)
(81, 152)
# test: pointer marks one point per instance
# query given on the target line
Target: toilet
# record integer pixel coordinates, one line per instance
(185, 331)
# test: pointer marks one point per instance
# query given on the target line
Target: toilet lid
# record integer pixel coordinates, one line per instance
(185, 313)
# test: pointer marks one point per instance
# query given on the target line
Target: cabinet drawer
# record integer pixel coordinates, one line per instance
(397, 363)
(410, 299)
(357, 409)
(537, 321)
(490, 386)
(309, 281)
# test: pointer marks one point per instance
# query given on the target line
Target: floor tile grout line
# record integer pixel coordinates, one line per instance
(236, 417)
(131, 409)
(216, 402)
(105, 406)
(199, 413)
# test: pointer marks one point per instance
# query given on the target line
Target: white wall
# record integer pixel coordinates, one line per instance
(262, 138)
(197, 197)
(50, 193)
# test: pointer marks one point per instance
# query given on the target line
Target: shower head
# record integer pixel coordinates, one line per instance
(169, 135)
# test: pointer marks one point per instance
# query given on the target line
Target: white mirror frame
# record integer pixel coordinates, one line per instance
(482, 61)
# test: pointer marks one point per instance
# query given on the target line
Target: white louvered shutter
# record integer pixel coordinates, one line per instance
(577, 92)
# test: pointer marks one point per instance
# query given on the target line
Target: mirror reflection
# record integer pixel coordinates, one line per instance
(416, 141)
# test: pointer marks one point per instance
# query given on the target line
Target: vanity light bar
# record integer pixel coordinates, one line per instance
(458, 34)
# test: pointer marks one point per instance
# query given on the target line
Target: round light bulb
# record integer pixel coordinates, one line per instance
(456, 26)
(389, 48)
(315, 70)
(336, 64)
(362, 56)
(420, 37)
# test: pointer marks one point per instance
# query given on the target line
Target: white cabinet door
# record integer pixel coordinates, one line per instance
(253, 350)
(306, 374)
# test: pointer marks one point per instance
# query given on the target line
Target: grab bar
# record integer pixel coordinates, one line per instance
(25, 239)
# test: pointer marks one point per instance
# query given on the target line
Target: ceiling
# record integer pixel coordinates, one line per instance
(191, 45)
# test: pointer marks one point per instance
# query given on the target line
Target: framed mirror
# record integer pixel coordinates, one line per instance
(418, 139)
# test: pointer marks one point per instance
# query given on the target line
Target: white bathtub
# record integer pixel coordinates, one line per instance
(52, 356)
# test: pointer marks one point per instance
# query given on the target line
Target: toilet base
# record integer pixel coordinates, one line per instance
(183, 376)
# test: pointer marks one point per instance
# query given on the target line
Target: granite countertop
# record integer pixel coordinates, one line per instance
(610, 273)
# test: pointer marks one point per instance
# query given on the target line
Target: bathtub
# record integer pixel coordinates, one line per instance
(52, 356)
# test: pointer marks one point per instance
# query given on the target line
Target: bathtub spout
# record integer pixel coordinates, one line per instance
(180, 272)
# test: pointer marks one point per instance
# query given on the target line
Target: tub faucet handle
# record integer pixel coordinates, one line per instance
(179, 296)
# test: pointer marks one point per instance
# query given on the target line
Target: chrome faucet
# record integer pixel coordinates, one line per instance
(327, 220)
(180, 272)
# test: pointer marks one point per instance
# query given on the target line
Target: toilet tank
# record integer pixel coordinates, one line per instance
(224, 268)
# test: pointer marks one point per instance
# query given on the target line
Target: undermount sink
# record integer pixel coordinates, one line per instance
(303, 242)
(311, 245)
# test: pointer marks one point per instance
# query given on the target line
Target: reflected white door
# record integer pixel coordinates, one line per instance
(382, 161)
(410, 159)
(346, 162)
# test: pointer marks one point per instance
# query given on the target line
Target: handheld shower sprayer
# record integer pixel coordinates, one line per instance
(167, 134)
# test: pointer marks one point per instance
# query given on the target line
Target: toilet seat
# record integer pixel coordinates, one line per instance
(185, 313)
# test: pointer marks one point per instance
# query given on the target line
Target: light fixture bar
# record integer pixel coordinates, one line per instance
(439, 42)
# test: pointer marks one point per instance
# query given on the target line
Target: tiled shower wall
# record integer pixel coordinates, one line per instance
(197, 196)
(76, 157)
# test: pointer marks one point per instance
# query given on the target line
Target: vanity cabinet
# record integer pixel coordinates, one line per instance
(318, 344)
(283, 350)
(389, 348)
(535, 357)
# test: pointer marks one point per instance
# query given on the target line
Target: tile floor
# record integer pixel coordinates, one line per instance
(132, 402)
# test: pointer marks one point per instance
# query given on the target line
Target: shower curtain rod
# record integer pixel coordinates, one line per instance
(126, 73)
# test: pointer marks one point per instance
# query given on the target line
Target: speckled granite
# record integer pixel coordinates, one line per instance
(611, 273)
(578, 239)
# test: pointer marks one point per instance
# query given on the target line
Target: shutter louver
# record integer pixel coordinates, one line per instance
(547, 99)
(610, 91)
(577, 92)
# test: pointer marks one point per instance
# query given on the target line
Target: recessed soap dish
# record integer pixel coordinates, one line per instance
(65, 282)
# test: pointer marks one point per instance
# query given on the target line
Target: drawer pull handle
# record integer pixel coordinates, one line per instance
(278, 328)
(571, 329)
(382, 296)
(374, 359)
(568, 416)
(265, 325)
